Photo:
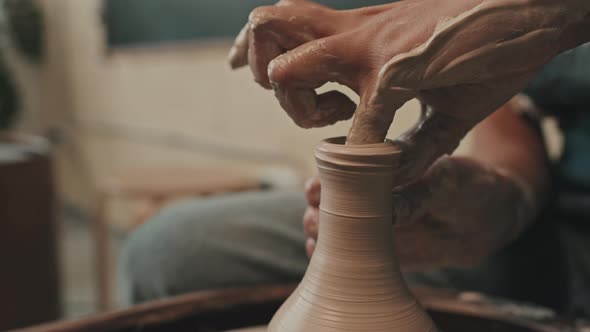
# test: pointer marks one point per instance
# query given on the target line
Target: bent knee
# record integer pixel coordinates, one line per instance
(212, 243)
(160, 255)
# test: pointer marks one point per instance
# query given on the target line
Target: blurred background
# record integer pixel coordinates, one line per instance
(137, 107)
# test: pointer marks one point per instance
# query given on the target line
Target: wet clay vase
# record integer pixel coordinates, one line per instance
(353, 282)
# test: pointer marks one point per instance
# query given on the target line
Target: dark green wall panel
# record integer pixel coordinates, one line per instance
(130, 22)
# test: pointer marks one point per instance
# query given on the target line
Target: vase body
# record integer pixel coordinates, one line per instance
(353, 281)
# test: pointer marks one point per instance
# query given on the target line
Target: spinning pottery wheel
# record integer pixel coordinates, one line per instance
(236, 309)
(474, 312)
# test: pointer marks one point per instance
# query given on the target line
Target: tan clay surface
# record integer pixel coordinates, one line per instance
(353, 282)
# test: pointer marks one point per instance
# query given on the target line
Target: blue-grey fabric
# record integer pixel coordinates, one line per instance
(564, 84)
(224, 241)
(562, 89)
(130, 22)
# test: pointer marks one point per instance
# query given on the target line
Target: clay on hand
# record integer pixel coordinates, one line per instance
(462, 59)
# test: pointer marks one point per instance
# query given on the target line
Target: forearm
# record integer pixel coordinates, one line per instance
(514, 147)
(579, 7)
(570, 19)
(576, 34)
(574, 16)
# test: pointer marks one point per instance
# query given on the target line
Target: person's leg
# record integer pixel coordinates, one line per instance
(226, 241)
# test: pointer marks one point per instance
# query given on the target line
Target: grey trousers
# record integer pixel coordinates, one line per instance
(257, 238)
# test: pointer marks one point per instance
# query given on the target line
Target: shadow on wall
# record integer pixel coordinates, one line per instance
(140, 22)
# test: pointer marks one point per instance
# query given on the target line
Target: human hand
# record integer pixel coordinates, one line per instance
(462, 59)
(457, 214)
(460, 212)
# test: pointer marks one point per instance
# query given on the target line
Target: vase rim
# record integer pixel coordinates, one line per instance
(334, 151)
(341, 141)
(337, 145)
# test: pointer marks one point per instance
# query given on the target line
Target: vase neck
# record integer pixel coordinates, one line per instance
(355, 231)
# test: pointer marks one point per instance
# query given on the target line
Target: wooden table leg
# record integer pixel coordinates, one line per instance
(102, 254)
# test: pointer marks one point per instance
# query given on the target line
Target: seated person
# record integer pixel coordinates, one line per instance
(536, 246)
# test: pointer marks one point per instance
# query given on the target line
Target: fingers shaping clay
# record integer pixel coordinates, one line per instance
(353, 282)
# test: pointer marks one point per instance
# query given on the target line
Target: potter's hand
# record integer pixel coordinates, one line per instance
(462, 58)
(457, 214)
